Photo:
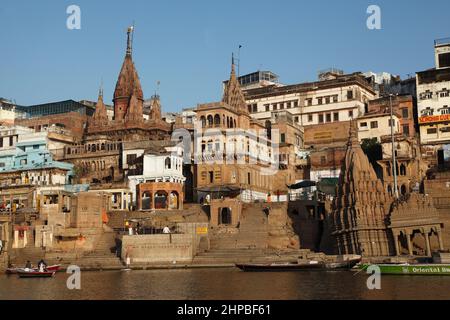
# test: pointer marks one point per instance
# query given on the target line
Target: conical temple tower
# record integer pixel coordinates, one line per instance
(233, 95)
(361, 206)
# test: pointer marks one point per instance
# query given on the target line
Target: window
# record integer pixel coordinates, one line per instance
(11, 142)
(373, 124)
(267, 106)
(335, 98)
(327, 100)
(296, 119)
(426, 95)
(445, 110)
(350, 114)
(2, 164)
(444, 94)
(350, 95)
(309, 102)
(282, 106)
(288, 105)
(275, 106)
(363, 125)
(1, 142)
(283, 138)
(296, 104)
(405, 113)
(432, 131)
(391, 122)
(405, 129)
(168, 163)
(336, 116)
(255, 108)
(328, 117)
(248, 178)
(319, 101)
(249, 108)
(131, 158)
(427, 112)
(211, 176)
(320, 118)
(310, 117)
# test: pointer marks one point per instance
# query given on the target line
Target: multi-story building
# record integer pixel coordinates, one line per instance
(375, 125)
(433, 94)
(335, 98)
(402, 106)
(258, 79)
(233, 154)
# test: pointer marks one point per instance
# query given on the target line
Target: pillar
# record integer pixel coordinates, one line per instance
(441, 243)
(121, 200)
(397, 252)
(427, 240)
(410, 248)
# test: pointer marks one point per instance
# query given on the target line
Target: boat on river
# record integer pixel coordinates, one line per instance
(311, 265)
(35, 274)
(431, 269)
(53, 268)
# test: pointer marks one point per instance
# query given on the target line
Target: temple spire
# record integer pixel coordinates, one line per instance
(130, 40)
(233, 95)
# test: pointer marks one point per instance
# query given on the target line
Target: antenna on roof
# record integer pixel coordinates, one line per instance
(157, 88)
(239, 60)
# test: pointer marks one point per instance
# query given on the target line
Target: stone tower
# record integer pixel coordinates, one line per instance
(128, 96)
(361, 206)
(233, 95)
(100, 116)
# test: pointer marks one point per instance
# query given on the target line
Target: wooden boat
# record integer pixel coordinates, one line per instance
(35, 274)
(312, 265)
(55, 268)
(411, 269)
(349, 264)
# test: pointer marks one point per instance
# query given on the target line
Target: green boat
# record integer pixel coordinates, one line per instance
(411, 269)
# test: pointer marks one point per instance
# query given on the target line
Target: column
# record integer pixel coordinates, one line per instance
(427, 240)
(410, 248)
(441, 243)
(121, 200)
(397, 252)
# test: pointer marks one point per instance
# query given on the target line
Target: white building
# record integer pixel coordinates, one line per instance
(337, 98)
(160, 167)
(433, 95)
(376, 125)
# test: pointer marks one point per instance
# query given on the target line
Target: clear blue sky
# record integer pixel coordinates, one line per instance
(187, 44)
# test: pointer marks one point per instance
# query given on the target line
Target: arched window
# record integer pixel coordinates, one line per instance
(210, 121)
(168, 163)
(234, 123)
(217, 120)
(403, 170)
(203, 121)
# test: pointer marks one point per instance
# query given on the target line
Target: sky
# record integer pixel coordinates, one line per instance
(186, 45)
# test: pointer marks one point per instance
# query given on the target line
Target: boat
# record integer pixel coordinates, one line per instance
(431, 269)
(311, 265)
(35, 274)
(15, 270)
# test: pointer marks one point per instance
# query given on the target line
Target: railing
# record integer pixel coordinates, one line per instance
(443, 41)
(5, 212)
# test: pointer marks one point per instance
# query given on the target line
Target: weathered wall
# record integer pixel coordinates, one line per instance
(159, 248)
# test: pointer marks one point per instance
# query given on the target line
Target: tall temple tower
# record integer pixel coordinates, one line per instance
(128, 97)
(361, 206)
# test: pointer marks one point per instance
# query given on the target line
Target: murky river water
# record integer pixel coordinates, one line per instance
(226, 284)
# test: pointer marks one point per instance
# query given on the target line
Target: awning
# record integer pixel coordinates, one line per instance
(302, 184)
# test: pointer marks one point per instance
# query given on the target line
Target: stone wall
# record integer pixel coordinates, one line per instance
(439, 188)
(158, 248)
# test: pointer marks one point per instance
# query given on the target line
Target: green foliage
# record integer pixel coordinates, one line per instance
(372, 149)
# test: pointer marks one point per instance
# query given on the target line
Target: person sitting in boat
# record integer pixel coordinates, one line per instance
(42, 266)
(28, 265)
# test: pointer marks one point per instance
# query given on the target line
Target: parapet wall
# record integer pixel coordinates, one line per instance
(158, 248)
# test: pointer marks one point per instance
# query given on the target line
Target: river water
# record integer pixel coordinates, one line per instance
(224, 284)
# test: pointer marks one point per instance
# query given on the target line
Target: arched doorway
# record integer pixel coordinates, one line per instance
(146, 201)
(403, 190)
(161, 199)
(225, 216)
(173, 200)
